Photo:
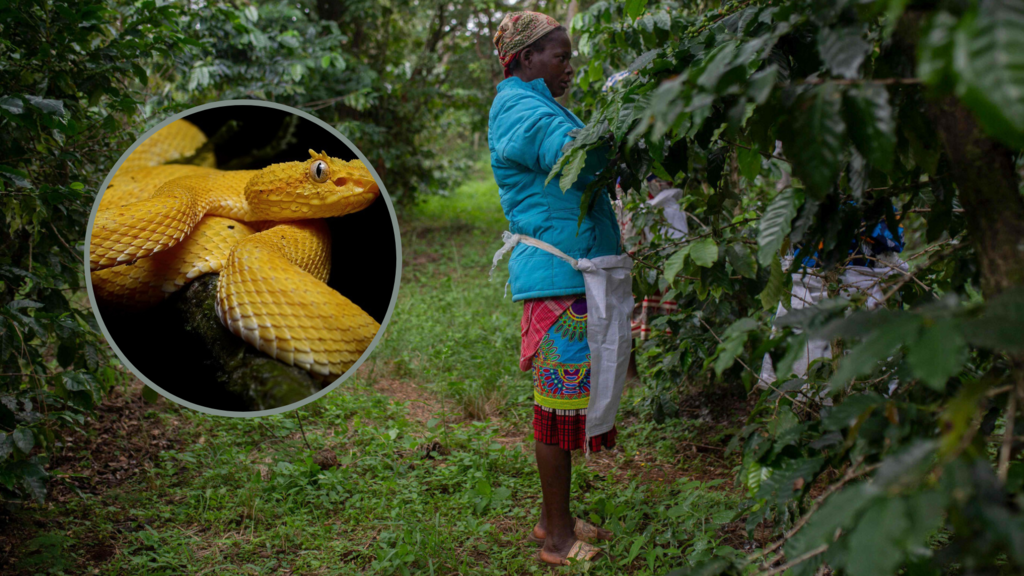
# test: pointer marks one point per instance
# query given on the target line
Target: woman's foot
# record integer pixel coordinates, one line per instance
(576, 551)
(584, 531)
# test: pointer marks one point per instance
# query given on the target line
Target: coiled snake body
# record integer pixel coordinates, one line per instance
(161, 225)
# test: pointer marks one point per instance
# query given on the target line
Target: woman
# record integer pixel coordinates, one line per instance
(527, 130)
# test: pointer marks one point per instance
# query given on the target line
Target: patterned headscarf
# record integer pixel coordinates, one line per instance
(517, 31)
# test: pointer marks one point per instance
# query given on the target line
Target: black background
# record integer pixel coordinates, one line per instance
(363, 260)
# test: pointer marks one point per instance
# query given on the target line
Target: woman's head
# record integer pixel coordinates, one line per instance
(531, 46)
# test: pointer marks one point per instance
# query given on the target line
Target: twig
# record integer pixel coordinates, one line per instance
(797, 560)
(932, 248)
(990, 393)
(765, 154)
(70, 249)
(695, 219)
(907, 278)
(298, 416)
(851, 474)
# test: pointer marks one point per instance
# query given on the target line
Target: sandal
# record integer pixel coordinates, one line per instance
(584, 531)
(580, 552)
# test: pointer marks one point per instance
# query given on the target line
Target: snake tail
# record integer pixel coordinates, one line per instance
(276, 300)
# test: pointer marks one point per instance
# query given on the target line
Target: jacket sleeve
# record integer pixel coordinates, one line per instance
(535, 136)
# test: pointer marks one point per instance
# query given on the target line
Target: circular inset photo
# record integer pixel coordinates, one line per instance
(243, 258)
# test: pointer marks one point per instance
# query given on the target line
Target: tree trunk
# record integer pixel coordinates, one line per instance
(983, 171)
(261, 382)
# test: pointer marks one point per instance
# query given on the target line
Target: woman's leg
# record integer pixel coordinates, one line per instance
(555, 467)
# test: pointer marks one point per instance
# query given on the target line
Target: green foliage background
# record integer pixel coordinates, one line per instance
(794, 128)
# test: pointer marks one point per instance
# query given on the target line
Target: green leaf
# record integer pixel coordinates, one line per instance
(12, 104)
(24, 439)
(874, 543)
(674, 263)
(784, 483)
(718, 62)
(54, 107)
(838, 511)
(149, 395)
(66, 352)
(750, 163)
(500, 493)
(939, 354)
(871, 123)
(643, 60)
(742, 260)
(775, 225)
(998, 328)
(797, 346)
(663, 20)
(775, 290)
(727, 352)
(634, 8)
(483, 488)
(843, 50)
(572, 169)
(877, 346)
(907, 466)
(6, 446)
(761, 84)
(988, 57)
(704, 252)
(33, 478)
(814, 137)
(935, 50)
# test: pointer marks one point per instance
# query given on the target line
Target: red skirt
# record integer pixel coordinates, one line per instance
(568, 431)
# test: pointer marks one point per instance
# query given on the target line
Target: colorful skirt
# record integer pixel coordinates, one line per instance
(561, 383)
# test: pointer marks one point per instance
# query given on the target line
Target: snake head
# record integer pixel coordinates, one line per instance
(318, 188)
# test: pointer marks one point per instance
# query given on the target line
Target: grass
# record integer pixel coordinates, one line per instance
(422, 463)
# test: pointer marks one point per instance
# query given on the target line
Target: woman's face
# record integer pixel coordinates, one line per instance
(552, 63)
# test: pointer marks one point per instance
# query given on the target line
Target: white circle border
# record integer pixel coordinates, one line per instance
(394, 293)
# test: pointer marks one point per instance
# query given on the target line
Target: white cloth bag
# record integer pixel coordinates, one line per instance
(809, 290)
(609, 286)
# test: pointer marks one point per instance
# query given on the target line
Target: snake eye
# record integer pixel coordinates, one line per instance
(319, 171)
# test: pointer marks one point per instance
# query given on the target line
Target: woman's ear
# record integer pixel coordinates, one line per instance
(526, 58)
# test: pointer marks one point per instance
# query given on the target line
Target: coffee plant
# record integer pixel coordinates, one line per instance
(801, 131)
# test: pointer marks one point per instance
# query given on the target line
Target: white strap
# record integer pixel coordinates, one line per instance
(511, 240)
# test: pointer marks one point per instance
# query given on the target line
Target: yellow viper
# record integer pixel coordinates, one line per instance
(160, 225)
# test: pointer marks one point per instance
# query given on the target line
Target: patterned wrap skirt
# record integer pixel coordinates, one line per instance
(561, 383)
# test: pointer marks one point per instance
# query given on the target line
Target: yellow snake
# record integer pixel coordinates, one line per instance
(160, 225)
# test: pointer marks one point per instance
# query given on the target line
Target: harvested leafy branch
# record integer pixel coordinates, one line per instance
(811, 143)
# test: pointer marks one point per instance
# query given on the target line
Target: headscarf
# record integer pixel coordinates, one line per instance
(517, 31)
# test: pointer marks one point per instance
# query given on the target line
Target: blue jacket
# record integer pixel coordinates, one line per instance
(526, 132)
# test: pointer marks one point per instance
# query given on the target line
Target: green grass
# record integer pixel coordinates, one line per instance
(454, 493)
(454, 329)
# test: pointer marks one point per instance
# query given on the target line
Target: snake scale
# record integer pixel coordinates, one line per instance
(161, 225)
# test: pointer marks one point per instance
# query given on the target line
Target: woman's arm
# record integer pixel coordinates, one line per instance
(532, 135)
